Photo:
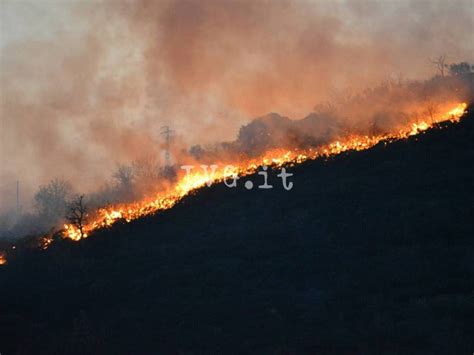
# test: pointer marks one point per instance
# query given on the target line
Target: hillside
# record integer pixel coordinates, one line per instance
(371, 252)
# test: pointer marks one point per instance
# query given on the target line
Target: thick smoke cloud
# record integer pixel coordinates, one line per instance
(90, 89)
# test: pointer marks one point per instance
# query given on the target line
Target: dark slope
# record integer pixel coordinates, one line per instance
(371, 252)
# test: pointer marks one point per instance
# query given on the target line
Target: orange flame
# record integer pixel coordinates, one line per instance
(105, 217)
(3, 258)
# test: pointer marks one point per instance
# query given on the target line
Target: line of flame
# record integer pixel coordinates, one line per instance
(105, 217)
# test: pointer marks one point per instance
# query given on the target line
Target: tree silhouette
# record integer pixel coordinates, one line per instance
(440, 64)
(460, 68)
(76, 214)
(51, 200)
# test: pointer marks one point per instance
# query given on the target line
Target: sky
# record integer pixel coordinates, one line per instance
(87, 84)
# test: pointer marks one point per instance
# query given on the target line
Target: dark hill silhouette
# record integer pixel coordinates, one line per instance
(377, 110)
(274, 131)
(370, 253)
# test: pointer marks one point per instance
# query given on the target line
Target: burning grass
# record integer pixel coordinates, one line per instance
(186, 183)
(105, 217)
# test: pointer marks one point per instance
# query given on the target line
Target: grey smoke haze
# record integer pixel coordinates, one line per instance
(85, 85)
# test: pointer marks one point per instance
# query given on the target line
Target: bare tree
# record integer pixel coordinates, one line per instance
(51, 199)
(145, 169)
(431, 110)
(76, 214)
(125, 185)
(124, 176)
(440, 64)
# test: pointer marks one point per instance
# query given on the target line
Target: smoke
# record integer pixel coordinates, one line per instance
(87, 85)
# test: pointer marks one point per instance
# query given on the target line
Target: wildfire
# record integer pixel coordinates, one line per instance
(186, 183)
(105, 217)
(3, 258)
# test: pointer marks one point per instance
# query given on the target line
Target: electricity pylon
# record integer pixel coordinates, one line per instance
(168, 134)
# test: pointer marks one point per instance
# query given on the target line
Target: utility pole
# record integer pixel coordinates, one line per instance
(167, 133)
(18, 197)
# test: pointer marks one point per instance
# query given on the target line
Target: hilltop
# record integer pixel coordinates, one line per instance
(370, 252)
